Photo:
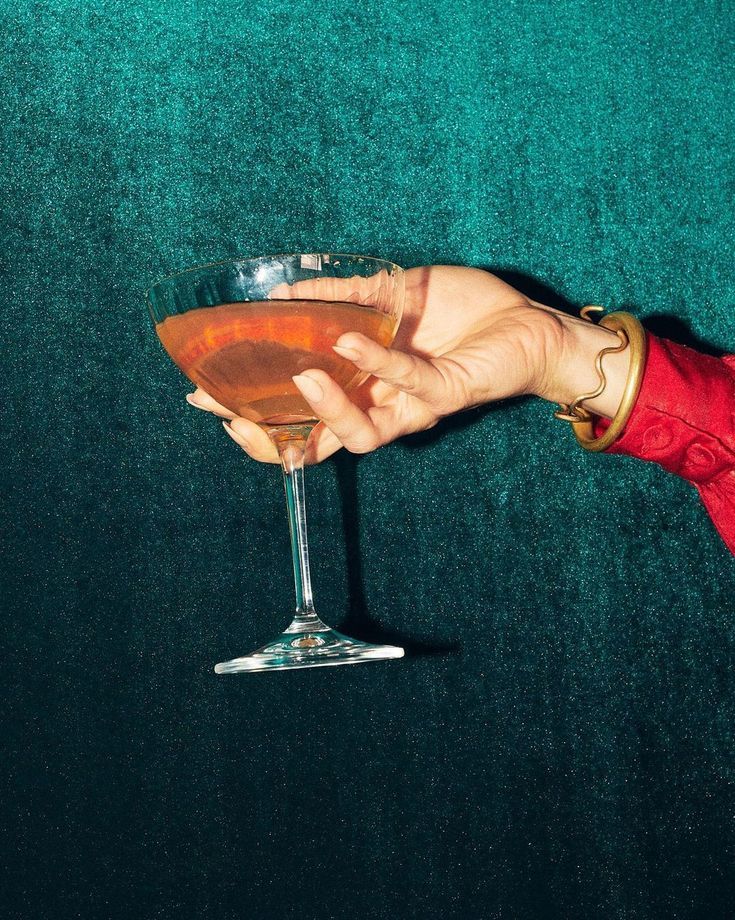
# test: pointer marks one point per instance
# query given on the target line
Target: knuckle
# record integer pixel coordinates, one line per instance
(409, 368)
(364, 445)
(445, 404)
(403, 373)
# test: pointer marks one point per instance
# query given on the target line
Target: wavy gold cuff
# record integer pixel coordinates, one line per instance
(631, 335)
(628, 325)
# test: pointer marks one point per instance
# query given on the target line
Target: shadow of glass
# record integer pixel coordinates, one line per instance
(359, 621)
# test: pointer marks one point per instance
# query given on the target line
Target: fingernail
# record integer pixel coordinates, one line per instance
(352, 354)
(192, 401)
(308, 387)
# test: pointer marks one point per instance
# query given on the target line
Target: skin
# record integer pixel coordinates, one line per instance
(466, 338)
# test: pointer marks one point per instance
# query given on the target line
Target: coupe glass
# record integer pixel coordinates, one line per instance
(241, 330)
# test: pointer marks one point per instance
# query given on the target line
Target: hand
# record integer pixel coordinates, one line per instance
(466, 338)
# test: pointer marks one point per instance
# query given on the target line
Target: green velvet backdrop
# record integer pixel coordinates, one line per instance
(558, 742)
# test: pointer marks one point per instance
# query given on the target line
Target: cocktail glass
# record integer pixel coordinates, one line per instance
(241, 330)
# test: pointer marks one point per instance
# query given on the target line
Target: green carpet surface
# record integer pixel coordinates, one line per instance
(558, 741)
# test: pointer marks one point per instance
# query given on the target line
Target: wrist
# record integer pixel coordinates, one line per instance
(571, 353)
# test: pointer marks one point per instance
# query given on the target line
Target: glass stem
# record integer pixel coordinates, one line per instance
(291, 444)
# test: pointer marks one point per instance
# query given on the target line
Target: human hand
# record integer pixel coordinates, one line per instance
(466, 338)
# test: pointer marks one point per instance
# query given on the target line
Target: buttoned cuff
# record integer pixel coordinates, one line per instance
(684, 420)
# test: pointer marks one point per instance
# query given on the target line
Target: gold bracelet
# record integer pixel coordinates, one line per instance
(631, 334)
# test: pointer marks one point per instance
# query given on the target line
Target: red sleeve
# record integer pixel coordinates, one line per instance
(684, 420)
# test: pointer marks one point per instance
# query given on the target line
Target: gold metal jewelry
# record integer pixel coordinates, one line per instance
(574, 412)
(631, 334)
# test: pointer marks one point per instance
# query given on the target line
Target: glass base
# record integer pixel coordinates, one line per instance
(315, 648)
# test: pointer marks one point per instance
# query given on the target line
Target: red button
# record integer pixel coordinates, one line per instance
(700, 456)
(657, 438)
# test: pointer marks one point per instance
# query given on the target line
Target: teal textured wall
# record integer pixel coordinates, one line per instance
(558, 742)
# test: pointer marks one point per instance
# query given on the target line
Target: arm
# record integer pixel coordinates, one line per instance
(468, 338)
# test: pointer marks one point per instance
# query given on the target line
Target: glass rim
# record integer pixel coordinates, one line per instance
(277, 255)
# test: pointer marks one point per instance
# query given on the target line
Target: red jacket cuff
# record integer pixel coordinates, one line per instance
(684, 420)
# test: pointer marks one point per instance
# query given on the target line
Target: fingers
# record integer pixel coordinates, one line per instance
(345, 424)
(256, 443)
(425, 394)
(349, 425)
(319, 288)
(353, 289)
(252, 439)
(202, 400)
(244, 433)
(408, 373)
(322, 444)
